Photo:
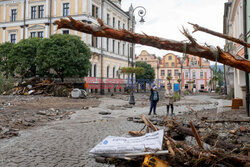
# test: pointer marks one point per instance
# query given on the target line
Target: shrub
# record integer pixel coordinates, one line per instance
(6, 84)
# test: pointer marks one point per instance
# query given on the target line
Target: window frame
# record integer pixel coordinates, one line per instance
(66, 9)
(13, 14)
(13, 40)
(33, 12)
(40, 11)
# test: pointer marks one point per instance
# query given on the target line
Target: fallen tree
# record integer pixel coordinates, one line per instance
(193, 48)
(203, 29)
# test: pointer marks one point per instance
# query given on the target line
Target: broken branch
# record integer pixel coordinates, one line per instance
(160, 43)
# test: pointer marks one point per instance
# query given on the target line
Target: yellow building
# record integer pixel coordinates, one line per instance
(22, 19)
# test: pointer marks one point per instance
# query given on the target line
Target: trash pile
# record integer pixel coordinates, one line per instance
(36, 86)
(179, 145)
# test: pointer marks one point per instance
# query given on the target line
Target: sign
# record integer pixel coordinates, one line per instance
(113, 146)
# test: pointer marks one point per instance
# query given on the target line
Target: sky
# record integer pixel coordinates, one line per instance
(165, 18)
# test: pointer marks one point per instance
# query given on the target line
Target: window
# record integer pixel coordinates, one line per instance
(107, 44)
(119, 24)
(113, 22)
(141, 58)
(202, 86)
(194, 86)
(169, 72)
(13, 14)
(95, 11)
(65, 9)
(40, 34)
(123, 49)
(166, 64)
(13, 38)
(201, 75)
(113, 72)
(33, 12)
(95, 71)
(186, 74)
(118, 48)
(108, 72)
(40, 11)
(194, 75)
(146, 58)
(162, 72)
(123, 26)
(94, 41)
(90, 71)
(113, 49)
(33, 34)
(173, 64)
(176, 72)
(65, 31)
(108, 19)
(169, 57)
(186, 86)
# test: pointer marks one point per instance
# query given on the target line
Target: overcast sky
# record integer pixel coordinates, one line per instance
(165, 18)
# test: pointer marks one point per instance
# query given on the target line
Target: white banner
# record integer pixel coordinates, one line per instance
(113, 145)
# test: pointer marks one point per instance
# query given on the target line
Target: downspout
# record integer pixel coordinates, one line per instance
(102, 84)
(24, 19)
(246, 53)
(50, 17)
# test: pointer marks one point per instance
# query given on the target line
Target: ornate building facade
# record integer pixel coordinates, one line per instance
(192, 73)
(22, 19)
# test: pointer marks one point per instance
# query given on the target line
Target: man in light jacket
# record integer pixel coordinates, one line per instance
(169, 95)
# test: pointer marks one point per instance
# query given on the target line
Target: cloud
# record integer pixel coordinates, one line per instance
(165, 18)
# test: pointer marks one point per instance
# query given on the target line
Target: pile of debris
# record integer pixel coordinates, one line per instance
(8, 132)
(181, 146)
(36, 86)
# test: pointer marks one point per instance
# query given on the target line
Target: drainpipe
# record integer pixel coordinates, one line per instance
(50, 17)
(24, 19)
(246, 53)
(102, 84)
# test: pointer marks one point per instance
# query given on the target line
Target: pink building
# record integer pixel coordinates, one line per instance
(196, 74)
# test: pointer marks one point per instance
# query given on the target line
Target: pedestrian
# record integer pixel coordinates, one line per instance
(169, 99)
(154, 98)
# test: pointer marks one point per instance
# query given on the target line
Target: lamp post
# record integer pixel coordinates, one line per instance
(141, 13)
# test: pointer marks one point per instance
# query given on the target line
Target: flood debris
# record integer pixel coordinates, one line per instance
(208, 150)
(36, 86)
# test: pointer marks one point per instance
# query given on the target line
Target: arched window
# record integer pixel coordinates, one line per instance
(95, 71)
(107, 71)
(113, 72)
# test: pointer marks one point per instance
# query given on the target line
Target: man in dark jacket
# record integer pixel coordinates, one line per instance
(154, 98)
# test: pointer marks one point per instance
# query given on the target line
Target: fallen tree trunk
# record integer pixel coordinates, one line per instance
(192, 48)
(203, 29)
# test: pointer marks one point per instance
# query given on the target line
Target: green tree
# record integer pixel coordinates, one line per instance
(149, 73)
(65, 55)
(22, 58)
(147, 76)
(5, 50)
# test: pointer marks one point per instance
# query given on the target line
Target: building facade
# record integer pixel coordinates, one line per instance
(192, 73)
(234, 22)
(22, 19)
(196, 74)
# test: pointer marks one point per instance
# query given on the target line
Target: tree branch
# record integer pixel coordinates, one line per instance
(203, 29)
(205, 52)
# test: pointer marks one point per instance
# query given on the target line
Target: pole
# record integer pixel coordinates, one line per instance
(132, 98)
(246, 53)
(102, 84)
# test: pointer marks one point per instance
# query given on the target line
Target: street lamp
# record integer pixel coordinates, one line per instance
(141, 13)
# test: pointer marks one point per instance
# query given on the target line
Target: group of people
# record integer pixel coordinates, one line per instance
(154, 98)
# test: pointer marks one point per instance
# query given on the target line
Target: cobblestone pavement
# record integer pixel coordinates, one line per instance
(67, 143)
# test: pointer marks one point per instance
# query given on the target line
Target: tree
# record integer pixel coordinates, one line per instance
(22, 58)
(5, 50)
(147, 76)
(193, 48)
(65, 54)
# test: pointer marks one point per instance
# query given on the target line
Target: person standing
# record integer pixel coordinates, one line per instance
(154, 98)
(169, 99)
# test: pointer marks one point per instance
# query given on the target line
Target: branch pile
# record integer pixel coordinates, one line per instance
(206, 151)
(35, 86)
(192, 47)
